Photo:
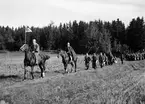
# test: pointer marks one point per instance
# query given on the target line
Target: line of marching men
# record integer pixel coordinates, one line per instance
(100, 59)
(135, 56)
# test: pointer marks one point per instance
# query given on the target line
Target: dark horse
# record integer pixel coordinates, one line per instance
(65, 60)
(30, 60)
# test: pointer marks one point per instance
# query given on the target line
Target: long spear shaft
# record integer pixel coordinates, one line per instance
(25, 37)
(89, 49)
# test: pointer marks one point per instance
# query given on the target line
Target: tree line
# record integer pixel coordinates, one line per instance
(94, 36)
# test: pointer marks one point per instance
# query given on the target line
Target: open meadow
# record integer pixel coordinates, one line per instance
(116, 84)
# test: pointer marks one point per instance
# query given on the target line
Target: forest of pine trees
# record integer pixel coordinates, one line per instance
(94, 36)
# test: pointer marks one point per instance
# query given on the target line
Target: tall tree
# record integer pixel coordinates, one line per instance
(135, 34)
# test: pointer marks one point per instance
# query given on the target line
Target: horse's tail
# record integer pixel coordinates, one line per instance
(44, 56)
(76, 63)
(47, 57)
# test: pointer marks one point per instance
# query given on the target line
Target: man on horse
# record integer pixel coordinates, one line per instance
(36, 50)
(70, 51)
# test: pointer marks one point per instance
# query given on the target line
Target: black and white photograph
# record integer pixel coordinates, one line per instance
(72, 52)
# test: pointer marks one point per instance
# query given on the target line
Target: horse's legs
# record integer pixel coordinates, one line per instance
(24, 72)
(32, 67)
(75, 65)
(72, 64)
(65, 67)
(41, 68)
(87, 66)
(44, 68)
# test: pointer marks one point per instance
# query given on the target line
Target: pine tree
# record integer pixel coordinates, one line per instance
(135, 34)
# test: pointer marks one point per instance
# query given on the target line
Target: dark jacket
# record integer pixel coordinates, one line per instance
(87, 59)
(101, 58)
(94, 58)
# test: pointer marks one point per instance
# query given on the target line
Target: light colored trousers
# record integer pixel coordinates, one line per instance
(37, 57)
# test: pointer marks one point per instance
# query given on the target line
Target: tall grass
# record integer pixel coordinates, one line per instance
(116, 84)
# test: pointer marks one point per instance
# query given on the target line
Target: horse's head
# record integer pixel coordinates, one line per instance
(24, 48)
(47, 57)
(61, 53)
(58, 51)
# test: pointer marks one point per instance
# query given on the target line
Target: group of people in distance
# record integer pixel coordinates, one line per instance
(135, 56)
(88, 59)
(102, 59)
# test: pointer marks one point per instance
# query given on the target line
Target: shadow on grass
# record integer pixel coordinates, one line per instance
(60, 71)
(9, 76)
(37, 72)
(52, 72)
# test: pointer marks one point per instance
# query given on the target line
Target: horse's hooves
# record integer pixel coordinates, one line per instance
(43, 75)
(24, 79)
(65, 72)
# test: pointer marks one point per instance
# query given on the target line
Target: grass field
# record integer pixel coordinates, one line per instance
(116, 84)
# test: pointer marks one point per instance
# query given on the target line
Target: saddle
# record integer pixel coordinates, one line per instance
(37, 57)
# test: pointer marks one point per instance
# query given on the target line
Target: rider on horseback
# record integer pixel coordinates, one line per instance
(70, 52)
(35, 49)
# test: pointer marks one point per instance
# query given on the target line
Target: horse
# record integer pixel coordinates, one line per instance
(66, 61)
(30, 60)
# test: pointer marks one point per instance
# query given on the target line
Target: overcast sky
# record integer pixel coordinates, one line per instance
(41, 12)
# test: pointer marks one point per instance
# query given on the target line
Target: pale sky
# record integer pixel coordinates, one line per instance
(40, 12)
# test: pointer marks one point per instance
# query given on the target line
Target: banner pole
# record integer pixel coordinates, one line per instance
(25, 37)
